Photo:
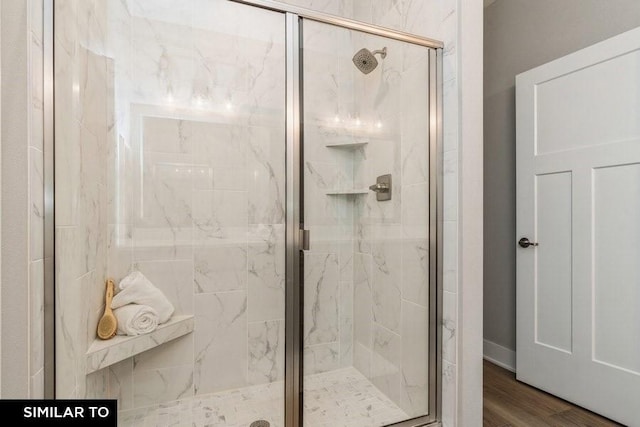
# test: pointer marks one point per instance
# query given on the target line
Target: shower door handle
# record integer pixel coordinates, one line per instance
(304, 239)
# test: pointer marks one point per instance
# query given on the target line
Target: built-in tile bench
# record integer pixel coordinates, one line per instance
(105, 353)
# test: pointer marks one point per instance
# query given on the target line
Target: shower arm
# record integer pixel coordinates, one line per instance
(382, 52)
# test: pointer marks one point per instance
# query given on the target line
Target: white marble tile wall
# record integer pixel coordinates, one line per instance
(83, 81)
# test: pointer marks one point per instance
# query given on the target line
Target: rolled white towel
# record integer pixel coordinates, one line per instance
(137, 289)
(136, 319)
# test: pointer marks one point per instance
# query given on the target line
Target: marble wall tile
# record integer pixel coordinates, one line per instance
(449, 326)
(345, 255)
(165, 191)
(266, 174)
(36, 89)
(162, 60)
(450, 123)
(414, 124)
(346, 341)
(36, 385)
(221, 349)
(35, 17)
(65, 13)
(93, 289)
(68, 147)
(167, 135)
(174, 279)
(119, 251)
(362, 310)
(386, 361)
(220, 151)
(362, 358)
(266, 352)
(387, 279)
(415, 359)
(346, 300)
(449, 394)
(415, 211)
(68, 304)
(36, 316)
(266, 260)
(450, 256)
(120, 178)
(162, 385)
(162, 243)
(450, 182)
(97, 385)
(415, 271)
(121, 383)
(321, 358)
(219, 214)
(92, 102)
(173, 353)
(321, 295)
(220, 267)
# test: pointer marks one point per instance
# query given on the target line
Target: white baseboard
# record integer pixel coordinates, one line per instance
(499, 355)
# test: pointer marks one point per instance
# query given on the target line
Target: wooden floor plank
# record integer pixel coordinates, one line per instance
(509, 403)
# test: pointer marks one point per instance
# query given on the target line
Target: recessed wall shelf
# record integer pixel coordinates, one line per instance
(347, 192)
(347, 145)
(106, 353)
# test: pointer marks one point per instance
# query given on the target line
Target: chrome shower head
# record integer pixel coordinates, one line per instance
(366, 61)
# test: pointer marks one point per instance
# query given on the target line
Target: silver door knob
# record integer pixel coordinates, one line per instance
(525, 243)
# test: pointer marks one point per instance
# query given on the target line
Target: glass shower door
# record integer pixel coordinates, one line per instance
(170, 161)
(366, 204)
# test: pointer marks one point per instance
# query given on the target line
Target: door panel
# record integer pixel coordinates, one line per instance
(567, 105)
(616, 292)
(553, 266)
(578, 197)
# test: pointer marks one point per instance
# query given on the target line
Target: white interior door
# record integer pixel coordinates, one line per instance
(578, 197)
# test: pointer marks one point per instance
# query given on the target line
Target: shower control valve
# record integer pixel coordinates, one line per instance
(379, 188)
(382, 188)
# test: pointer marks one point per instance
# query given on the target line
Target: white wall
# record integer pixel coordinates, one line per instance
(520, 35)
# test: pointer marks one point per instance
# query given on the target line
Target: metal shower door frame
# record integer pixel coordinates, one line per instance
(294, 18)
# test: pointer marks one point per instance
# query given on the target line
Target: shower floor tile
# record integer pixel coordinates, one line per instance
(337, 398)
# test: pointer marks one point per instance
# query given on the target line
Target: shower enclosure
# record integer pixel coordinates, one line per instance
(274, 171)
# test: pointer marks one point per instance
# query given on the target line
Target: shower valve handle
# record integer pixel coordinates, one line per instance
(379, 188)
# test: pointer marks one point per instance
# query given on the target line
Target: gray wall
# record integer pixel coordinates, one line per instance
(520, 35)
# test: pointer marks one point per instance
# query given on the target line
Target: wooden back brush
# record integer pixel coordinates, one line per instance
(108, 324)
